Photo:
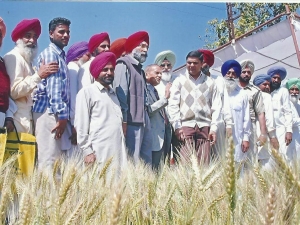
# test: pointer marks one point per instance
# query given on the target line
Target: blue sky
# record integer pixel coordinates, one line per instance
(172, 26)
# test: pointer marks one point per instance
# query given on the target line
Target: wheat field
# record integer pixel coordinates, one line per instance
(187, 193)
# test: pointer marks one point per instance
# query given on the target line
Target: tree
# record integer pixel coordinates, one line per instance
(250, 15)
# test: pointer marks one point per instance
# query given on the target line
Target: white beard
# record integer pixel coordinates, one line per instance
(230, 85)
(166, 76)
(28, 53)
(294, 99)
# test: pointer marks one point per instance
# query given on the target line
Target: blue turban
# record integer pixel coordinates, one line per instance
(231, 64)
(259, 79)
(281, 71)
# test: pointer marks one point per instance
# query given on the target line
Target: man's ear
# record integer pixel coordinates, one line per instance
(50, 33)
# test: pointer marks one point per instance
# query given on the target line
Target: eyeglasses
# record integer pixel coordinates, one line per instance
(105, 46)
(164, 65)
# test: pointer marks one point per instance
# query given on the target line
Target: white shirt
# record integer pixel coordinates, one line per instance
(84, 76)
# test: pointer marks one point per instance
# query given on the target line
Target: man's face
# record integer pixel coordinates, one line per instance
(276, 81)
(60, 36)
(30, 39)
(231, 74)
(294, 91)
(106, 76)
(245, 75)
(166, 66)
(84, 58)
(103, 47)
(193, 65)
(140, 52)
(265, 87)
(153, 75)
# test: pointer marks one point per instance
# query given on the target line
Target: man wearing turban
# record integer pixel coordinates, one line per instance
(239, 106)
(293, 85)
(282, 111)
(130, 86)
(257, 110)
(225, 124)
(98, 117)
(77, 55)
(23, 78)
(263, 81)
(51, 108)
(98, 43)
(7, 105)
(195, 108)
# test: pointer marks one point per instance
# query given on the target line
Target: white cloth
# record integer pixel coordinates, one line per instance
(98, 122)
(239, 105)
(296, 131)
(84, 76)
(12, 108)
(73, 75)
(283, 119)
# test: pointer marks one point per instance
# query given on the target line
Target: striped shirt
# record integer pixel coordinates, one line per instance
(53, 92)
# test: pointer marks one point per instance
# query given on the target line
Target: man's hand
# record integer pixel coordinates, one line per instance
(59, 128)
(274, 143)
(245, 146)
(73, 137)
(179, 134)
(124, 127)
(262, 138)
(228, 132)
(167, 90)
(212, 137)
(46, 70)
(288, 138)
(91, 158)
(9, 125)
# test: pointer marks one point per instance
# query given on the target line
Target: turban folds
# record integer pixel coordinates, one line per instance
(168, 55)
(293, 82)
(96, 40)
(2, 27)
(135, 39)
(279, 70)
(77, 50)
(247, 64)
(231, 64)
(25, 26)
(100, 61)
(259, 79)
(118, 47)
(208, 57)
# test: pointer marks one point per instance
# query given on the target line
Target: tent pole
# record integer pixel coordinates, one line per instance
(293, 33)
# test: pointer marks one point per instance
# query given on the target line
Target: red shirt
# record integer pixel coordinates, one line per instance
(4, 87)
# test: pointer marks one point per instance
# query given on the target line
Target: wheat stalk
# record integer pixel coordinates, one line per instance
(270, 214)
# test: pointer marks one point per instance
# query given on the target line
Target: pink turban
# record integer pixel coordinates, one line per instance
(118, 47)
(25, 26)
(135, 39)
(208, 56)
(2, 27)
(96, 40)
(100, 61)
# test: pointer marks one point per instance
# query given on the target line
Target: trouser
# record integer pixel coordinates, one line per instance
(49, 148)
(139, 141)
(196, 140)
(164, 151)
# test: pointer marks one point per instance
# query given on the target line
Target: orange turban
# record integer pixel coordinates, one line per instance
(100, 61)
(135, 39)
(96, 40)
(25, 26)
(118, 47)
(2, 27)
(208, 56)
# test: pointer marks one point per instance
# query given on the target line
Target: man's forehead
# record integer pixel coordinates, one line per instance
(192, 59)
(166, 61)
(246, 68)
(31, 32)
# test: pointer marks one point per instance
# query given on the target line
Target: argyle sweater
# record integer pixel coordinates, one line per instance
(194, 102)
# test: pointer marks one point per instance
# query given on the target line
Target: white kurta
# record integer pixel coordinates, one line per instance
(283, 119)
(239, 105)
(296, 131)
(84, 76)
(98, 122)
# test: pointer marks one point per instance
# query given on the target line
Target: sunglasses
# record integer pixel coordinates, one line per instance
(164, 65)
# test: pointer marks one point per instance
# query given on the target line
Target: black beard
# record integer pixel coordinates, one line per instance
(107, 80)
(275, 86)
(245, 80)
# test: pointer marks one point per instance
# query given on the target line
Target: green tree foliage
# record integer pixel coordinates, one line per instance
(250, 15)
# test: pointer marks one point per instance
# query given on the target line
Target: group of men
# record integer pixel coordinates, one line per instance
(97, 101)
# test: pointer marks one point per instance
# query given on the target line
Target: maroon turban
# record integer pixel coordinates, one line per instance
(135, 39)
(96, 40)
(208, 56)
(25, 26)
(100, 61)
(118, 47)
(2, 27)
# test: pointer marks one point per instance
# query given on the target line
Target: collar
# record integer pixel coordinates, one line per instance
(190, 77)
(58, 50)
(134, 61)
(101, 87)
(150, 86)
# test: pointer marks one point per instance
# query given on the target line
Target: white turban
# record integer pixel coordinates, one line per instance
(247, 64)
(168, 55)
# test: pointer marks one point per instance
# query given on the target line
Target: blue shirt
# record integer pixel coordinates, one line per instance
(53, 92)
